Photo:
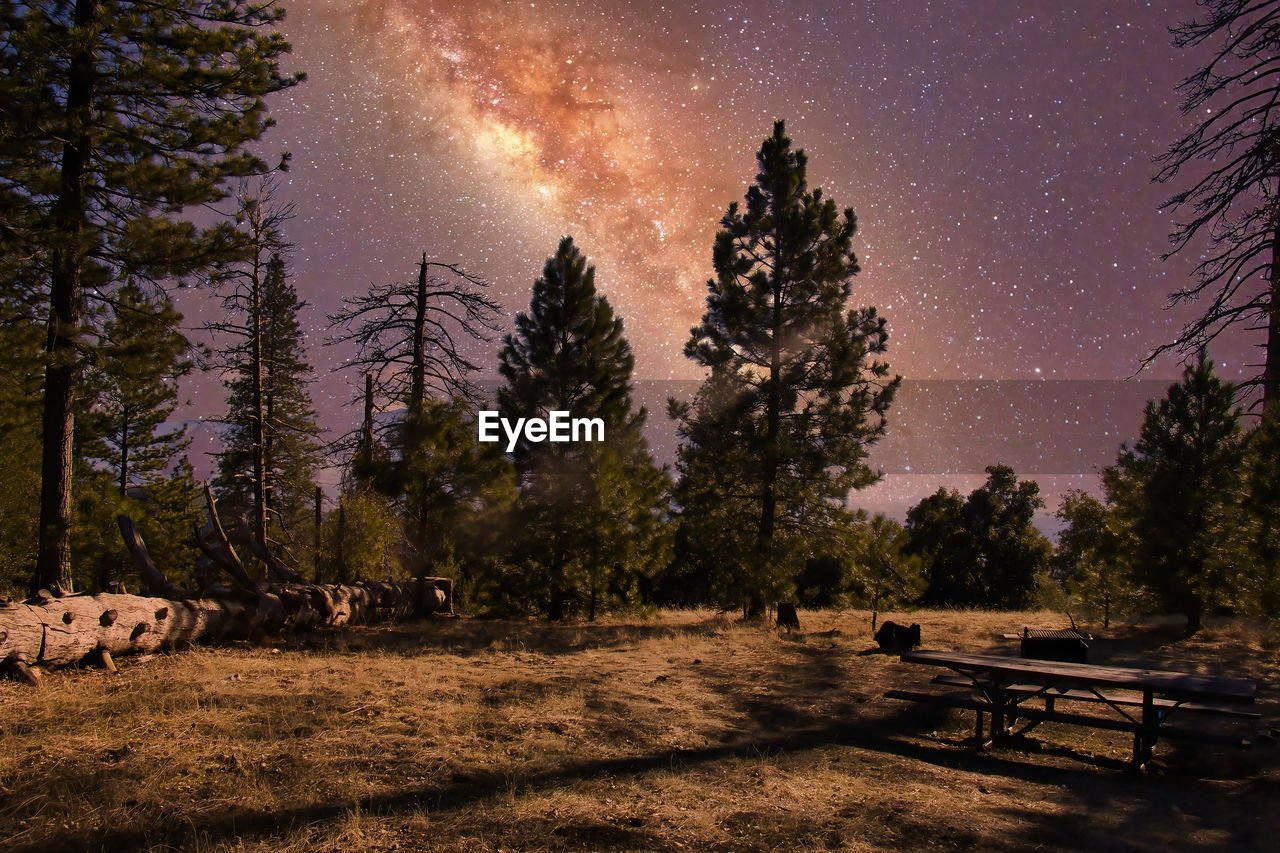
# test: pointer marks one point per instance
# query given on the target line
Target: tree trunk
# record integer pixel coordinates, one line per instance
(256, 419)
(315, 537)
(53, 552)
(555, 609)
(339, 554)
(365, 459)
(418, 388)
(54, 630)
(1271, 370)
(1195, 614)
(51, 631)
(773, 417)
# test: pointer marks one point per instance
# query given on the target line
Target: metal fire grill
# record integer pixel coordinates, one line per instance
(1065, 644)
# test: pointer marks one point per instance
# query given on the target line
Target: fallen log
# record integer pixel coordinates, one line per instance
(48, 631)
(67, 630)
(59, 630)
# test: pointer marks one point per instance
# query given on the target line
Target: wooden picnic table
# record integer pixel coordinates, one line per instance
(1001, 686)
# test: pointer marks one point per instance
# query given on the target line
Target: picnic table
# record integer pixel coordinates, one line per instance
(1142, 699)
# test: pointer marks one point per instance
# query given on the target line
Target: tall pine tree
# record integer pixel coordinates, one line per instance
(1171, 483)
(270, 447)
(117, 116)
(799, 390)
(592, 513)
(131, 389)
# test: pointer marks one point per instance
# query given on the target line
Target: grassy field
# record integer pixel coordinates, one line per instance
(685, 732)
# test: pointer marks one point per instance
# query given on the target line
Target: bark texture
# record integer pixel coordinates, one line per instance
(52, 629)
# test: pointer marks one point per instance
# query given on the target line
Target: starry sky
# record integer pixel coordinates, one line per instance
(997, 154)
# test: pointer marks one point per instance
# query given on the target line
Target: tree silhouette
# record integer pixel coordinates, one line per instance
(412, 338)
(593, 513)
(983, 550)
(1234, 201)
(1088, 560)
(270, 444)
(1170, 484)
(131, 389)
(799, 390)
(117, 116)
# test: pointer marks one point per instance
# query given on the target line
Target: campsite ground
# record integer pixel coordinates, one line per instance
(687, 731)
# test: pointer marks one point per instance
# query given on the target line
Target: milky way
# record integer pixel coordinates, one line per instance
(997, 154)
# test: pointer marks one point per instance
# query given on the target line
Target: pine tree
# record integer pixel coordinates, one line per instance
(21, 372)
(593, 513)
(803, 391)
(270, 446)
(454, 490)
(1249, 528)
(716, 491)
(938, 535)
(1088, 559)
(1172, 482)
(883, 572)
(131, 390)
(360, 539)
(117, 116)
(1234, 200)
(122, 443)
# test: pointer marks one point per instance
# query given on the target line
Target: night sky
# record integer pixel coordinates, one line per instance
(997, 154)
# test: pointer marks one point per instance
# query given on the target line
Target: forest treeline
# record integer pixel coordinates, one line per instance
(111, 133)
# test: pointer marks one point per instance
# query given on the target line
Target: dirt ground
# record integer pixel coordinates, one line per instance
(688, 731)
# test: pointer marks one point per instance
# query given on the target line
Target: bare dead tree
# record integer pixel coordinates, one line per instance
(1233, 199)
(414, 337)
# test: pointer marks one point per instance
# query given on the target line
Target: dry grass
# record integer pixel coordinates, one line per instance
(685, 732)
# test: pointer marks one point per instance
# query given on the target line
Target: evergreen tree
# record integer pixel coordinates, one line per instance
(1088, 560)
(1248, 530)
(984, 551)
(361, 538)
(270, 445)
(1234, 201)
(802, 389)
(116, 116)
(939, 536)
(884, 574)
(131, 390)
(593, 513)
(454, 490)
(165, 510)
(21, 372)
(123, 446)
(715, 492)
(1172, 482)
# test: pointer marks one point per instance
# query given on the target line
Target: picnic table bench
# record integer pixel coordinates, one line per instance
(1142, 699)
